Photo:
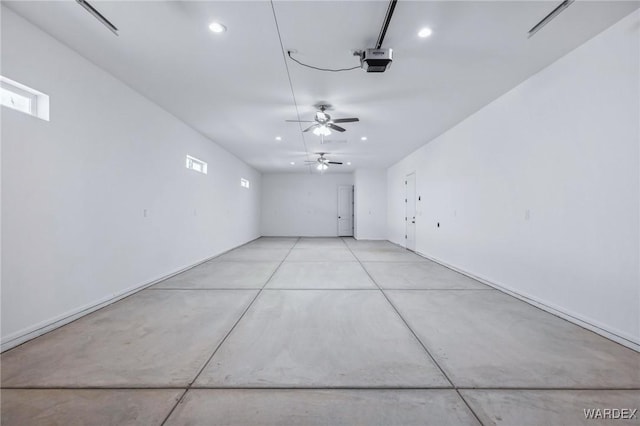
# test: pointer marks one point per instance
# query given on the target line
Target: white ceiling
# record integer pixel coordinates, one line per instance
(234, 88)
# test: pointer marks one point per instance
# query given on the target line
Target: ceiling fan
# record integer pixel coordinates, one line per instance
(323, 163)
(322, 122)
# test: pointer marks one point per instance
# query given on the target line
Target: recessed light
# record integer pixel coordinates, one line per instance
(364, 138)
(217, 27)
(348, 163)
(278, 138)
(425, 32)
(293, 163)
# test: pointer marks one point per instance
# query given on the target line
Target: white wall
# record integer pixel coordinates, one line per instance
(306, 205)
(370, 201)
(539, 191)
(74, 189)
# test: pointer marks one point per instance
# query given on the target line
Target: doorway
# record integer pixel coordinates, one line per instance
(345, 210)
(410, 211)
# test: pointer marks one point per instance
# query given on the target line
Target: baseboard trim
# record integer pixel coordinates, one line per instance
(305, 236)
(44, 327)
(616, 336)
(370, 239)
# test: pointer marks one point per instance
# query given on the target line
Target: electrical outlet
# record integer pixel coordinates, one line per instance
(144, 213)
(527, 214)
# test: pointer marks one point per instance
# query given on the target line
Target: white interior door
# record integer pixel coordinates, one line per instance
(345, 210)
(410, 211)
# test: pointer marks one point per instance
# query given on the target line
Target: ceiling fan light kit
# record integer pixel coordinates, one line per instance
(321, 131)
(323, 162)
(323, 124)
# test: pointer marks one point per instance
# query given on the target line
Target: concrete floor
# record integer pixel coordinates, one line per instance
(318, 331)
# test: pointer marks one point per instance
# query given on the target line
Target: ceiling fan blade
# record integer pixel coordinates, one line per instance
(310, 127)
(334, 127)
(345, 120)
(333, 162)
(300, 121)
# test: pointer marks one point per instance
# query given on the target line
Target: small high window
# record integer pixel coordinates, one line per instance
(197, 165)
(244, 183)
(24, 99)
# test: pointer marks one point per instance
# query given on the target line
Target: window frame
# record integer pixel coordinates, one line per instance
(195, 164)
(31, 97)
(38, 101)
